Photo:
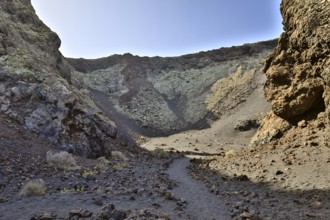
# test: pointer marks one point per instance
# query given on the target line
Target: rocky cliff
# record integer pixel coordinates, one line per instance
(298, 71)
(38, 90)
(157, 96)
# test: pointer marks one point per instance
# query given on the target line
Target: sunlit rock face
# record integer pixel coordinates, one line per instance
(167, 95)
(298, 71)
(38, 90)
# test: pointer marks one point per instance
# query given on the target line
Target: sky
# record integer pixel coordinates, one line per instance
(100, 28)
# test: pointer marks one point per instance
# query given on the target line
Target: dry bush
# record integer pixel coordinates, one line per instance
(34, 188)
(118, 155)
(119, 166)
(160, 153)
(229, 153)
(62, 160)
(102, 164)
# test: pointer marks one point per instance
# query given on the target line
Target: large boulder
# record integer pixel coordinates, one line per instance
(298, 71)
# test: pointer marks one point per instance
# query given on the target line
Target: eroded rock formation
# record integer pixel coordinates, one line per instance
(167, 95)
(37, 88)
(298, 71)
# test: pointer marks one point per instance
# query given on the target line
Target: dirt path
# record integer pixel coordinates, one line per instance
(201, 204)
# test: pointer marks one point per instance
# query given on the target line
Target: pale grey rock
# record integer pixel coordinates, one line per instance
(166, 95)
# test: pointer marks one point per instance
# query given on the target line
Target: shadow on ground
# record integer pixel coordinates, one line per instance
(258, 200)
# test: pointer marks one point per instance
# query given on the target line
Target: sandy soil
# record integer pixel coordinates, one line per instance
(221, 136)
(232, 180)
(287, 179)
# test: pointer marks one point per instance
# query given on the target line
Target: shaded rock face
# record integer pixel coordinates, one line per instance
(298, 71)
(158, 95)
(38, 90)
(29, 43)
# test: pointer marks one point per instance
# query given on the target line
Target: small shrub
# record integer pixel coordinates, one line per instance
(103, 160)
(102, 164)
(160, 153)
(102, 167)
(86, 174)
(141, 140)
(34, 188)
(68, 190)
(229, 153)
(62, 160)
(118, 155)
(119, 166)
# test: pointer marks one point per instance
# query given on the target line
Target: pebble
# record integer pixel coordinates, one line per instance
(279, 172)
(98, 201)
(246, 215)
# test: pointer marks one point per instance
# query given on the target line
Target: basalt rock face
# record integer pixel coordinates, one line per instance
(166, 95)
(298, 71)
(38, 90)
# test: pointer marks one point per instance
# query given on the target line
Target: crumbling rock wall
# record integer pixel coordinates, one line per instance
(37, 89)
(167, 95)
(298, 71)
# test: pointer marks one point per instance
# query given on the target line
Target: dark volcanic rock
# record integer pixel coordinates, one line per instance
(246, 125)
(38, 90)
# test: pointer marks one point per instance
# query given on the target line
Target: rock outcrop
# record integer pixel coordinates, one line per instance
(159, 96)
(298, 71)
(38, 90)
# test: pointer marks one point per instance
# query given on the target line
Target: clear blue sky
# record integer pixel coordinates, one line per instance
(98, 28)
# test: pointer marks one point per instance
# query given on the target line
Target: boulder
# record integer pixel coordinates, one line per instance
(298, 70)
